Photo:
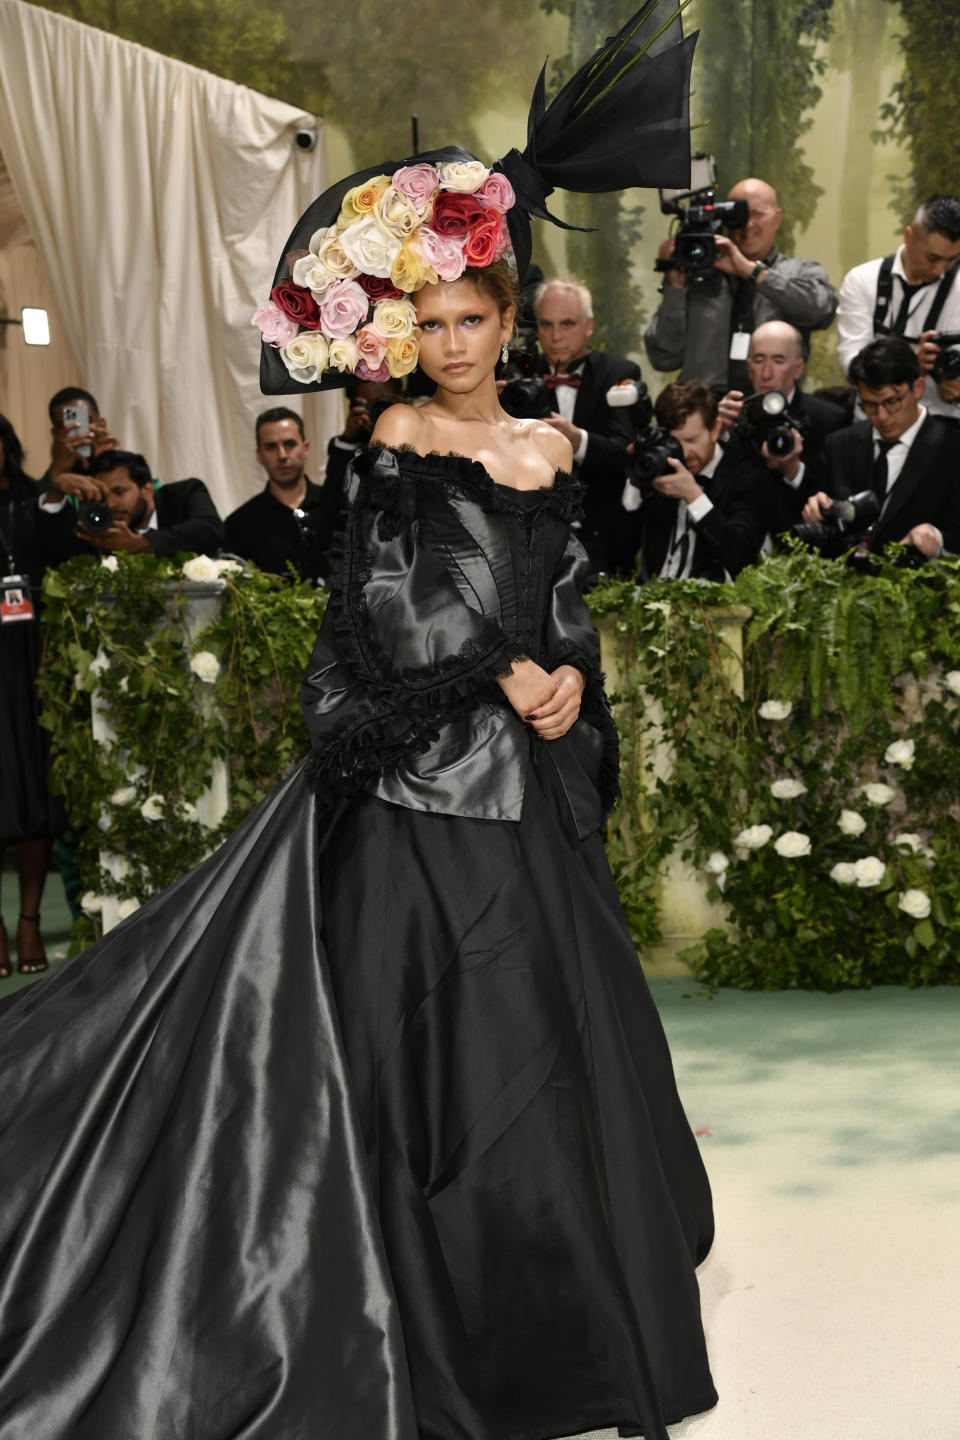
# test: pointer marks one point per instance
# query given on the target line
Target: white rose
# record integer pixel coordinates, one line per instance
(313, 275)
(344, 354)
(127, 908)
(787, 789)
(326, 246)
(775, 710)
(753, 837)
(844, 872)
(370, 248)
(395, 213)
(952, 681)
(228, 567)
(91, 904)
(869, 871)
(152, 807)
(205, 666)
(914, 903)
(910, 840)
(305, 356)
(201, 567)
(109, 562)
(851, 822)
(791, 844)
(900, 753)
(878, 793)
(464, 175)
(716, 863)
(124, 796)
(187, 811)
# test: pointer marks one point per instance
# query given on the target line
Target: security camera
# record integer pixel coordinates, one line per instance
(307, 139)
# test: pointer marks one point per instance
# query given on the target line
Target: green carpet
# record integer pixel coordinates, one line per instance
(830, 1125)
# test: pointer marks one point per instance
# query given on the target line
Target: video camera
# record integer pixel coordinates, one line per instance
(766, 419)
(695, 247)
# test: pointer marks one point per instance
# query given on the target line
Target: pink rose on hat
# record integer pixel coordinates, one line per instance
(343, 308)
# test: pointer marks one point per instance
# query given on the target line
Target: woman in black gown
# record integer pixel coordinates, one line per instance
(29, 815)
(367, 1127)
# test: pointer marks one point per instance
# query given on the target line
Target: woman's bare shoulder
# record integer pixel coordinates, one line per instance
(552, 444)
(400, 425)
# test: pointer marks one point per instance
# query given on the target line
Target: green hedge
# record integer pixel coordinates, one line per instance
(860, 662)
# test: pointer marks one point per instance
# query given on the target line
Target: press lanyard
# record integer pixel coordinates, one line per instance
(15, 602)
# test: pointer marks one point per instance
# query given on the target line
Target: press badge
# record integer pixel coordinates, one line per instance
(15, 602)
(740, 345)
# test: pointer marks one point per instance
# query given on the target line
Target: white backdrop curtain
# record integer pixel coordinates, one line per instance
(159, 197)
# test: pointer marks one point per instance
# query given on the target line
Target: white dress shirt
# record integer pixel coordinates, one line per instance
(858, 300)
(565, 399)
(679, 558)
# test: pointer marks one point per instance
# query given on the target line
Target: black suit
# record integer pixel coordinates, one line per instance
(269, 533)
(610, 430)
(727, 538)
(817, 419)
(927, 490)
(187, 519)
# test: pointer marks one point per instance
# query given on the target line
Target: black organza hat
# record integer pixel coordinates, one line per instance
(340, 307)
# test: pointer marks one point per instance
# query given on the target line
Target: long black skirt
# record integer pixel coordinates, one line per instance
(27, 809)
(394, 1154)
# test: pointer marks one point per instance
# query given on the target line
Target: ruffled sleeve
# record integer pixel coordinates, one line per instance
(400, 650)
(572, 640)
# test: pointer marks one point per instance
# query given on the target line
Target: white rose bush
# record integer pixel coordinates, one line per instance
(179, 703)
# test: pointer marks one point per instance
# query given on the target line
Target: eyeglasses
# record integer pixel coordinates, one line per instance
(890, 406)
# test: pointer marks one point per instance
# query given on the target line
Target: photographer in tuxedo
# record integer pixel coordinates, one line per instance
(776, 363)
(705, 516)
(908, 457)
(580, 378)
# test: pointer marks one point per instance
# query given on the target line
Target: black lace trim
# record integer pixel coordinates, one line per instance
(563, 498)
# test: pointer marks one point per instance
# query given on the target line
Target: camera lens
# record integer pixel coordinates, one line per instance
(95, 516)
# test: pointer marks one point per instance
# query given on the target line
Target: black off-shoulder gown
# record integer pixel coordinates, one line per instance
(367, 1128)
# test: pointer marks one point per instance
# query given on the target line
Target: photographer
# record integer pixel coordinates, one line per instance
(703, 329)
(284, 524)
(704, 516)
(580, 378)
(366, 400)
(914, 293)
(907, 457)
(776, 366)
(129, 513)
(77, 433)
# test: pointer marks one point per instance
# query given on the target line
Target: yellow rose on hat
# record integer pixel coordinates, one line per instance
(358, 203)
(402, 355)
(410, 271)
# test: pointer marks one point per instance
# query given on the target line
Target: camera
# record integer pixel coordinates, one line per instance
(652, 449)
(526, 395)
(843, 525)
(947, 364)
(95, 516)
(766, 419)
(306, 139)
(695, 246)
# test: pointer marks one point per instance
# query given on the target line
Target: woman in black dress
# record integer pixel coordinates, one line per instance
(367, 1127)
(29, 815)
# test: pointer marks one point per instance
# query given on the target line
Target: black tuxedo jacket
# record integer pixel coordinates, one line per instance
(728, 537)
(927, 490)
(610, 430)
(817, 419)
(187, 519)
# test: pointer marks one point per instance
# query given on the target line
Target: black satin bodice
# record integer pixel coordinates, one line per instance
(446, 577)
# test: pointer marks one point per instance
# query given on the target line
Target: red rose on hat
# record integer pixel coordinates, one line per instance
(378, 288)
(483, 243)
(456, 214)
(296, 303)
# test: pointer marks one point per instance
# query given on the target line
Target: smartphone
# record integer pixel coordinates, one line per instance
(77, 417)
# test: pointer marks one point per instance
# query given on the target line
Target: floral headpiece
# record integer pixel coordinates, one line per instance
(340, 306)
(346, 304)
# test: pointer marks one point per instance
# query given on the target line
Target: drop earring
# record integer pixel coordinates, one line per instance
(504, 353)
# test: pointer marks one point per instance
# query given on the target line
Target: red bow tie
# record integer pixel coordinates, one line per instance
(562, 378)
